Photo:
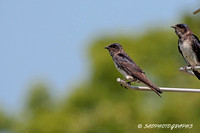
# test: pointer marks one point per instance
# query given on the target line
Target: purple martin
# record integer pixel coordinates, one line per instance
(188, 46)
(128, 68)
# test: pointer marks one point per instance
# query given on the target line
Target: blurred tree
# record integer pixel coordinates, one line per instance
(6, 123)
(39, 100)
(40, 115)
(102, 106)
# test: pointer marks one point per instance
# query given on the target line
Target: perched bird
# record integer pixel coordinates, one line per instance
(188, 46)
(128, 68)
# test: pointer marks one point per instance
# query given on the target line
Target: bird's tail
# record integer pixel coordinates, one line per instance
(142, 77)
(197, 74)
(155, 88)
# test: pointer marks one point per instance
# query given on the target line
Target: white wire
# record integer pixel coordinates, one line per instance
(188, 70)
(164, 89)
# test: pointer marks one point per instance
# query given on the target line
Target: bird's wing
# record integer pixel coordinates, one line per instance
(196, 46)
(126, 62)
(132, 69)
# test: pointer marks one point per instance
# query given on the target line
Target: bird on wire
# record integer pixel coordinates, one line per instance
(188, 46)
(128, 68)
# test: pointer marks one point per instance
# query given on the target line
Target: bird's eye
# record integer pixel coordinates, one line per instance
(180, 26)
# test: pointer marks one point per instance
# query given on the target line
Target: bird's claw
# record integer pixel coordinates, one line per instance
(123, 86)
(185, 68)
(129, 83)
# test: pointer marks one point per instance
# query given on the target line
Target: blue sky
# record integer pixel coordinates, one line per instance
(45, 39)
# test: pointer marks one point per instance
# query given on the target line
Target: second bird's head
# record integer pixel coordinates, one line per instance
(181, 29)
(114, 48)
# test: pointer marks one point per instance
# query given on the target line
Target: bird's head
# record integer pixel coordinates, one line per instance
(114, 48)
(181, 29)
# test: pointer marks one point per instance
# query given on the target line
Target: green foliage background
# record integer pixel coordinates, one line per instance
(100, 105)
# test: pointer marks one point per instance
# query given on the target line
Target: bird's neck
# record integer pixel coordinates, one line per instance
(185, 36)
(114, 53)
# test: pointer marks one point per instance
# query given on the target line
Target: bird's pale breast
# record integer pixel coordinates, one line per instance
(188, 53)
(123, 72)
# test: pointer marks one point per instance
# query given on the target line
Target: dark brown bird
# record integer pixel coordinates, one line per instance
(188, 46)
(128, 68)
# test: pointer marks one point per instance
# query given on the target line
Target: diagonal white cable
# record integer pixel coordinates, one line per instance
(164, 89)
(188, 70)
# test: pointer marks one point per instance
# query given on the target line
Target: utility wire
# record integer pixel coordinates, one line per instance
(164, 89)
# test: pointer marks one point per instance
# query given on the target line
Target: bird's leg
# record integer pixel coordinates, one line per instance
(133, 80)
(122, 85)
(128, 82)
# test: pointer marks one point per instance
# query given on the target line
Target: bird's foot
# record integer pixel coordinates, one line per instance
(185, 68)
(129, 83)
(123, 85)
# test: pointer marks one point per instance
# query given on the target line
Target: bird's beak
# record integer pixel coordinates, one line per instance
(173, 26)
(106, 47)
